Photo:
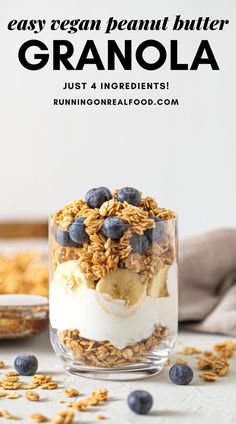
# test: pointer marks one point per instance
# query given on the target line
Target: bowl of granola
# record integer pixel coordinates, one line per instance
(23, 289)
(113, 284)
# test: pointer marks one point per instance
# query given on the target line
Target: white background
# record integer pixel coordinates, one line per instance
(184, 156)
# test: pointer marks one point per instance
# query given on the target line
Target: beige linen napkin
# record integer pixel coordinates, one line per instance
(207, 294)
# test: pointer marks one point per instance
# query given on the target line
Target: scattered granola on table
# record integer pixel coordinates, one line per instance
(34, 396)
(64, 417)
(215, 362)
(38, 418)
(5, 414)
(13, 396)
(190, 351)
(208, 376)
(52, 385)
(70, 392)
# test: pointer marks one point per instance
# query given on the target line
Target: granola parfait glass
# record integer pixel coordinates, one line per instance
(113, 284)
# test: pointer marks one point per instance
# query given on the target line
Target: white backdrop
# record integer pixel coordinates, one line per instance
(184, 156)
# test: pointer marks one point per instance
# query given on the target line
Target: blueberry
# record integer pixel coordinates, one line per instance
(97, 196)
(181, 374)
(113, 227)
(129, 195)
(63, 238)
(139, 243)
(26, 364)
(157, 232)
(77, 231)
(140, 401)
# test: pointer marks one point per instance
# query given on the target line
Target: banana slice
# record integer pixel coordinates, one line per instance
(121, 292)
(158, 286)
(68, 274)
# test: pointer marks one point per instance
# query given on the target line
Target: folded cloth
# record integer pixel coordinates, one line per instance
(207, 294)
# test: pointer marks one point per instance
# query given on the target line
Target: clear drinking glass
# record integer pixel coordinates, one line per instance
(124, 325)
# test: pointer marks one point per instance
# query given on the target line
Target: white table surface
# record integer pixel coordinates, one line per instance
(200, 402)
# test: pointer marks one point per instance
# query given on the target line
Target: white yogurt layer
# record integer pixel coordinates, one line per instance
(70, 310)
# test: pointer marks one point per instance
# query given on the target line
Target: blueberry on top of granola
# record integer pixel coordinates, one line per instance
(130, 195)
(95, 197)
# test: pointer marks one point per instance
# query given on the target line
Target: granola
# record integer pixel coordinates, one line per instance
(208, 376)
(34, 396)
(70, 392)
(52, 385)
(100, 257)
(64, 417)
(190, 350)
(116, 251)
(5, 414)
(104, 354)
(38, 418)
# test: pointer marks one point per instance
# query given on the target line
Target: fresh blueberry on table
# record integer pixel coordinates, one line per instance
(181, 374)
(26, 364)
(139, 243)
(140, 401)
(157, 232)
(97, 196)
(113, 227)
(77, 231)
(63, 238)
(130, 195)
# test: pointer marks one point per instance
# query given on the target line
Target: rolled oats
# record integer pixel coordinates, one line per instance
(208, 376)
(3, 394)
(64, 417)
(11, 374)
(13, 396)
(70, 392)
(52, 385)
(190, 350)
(180, 361)
(5, 414)
(220, 368)
(38, 418)
(28, 386)
(100, 394)
(39, 380)
(225, 349)
(34, 396)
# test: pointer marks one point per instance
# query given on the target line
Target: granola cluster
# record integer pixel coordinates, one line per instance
(11, 381)
(104, 354)
(102, 256)
(215, 363)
